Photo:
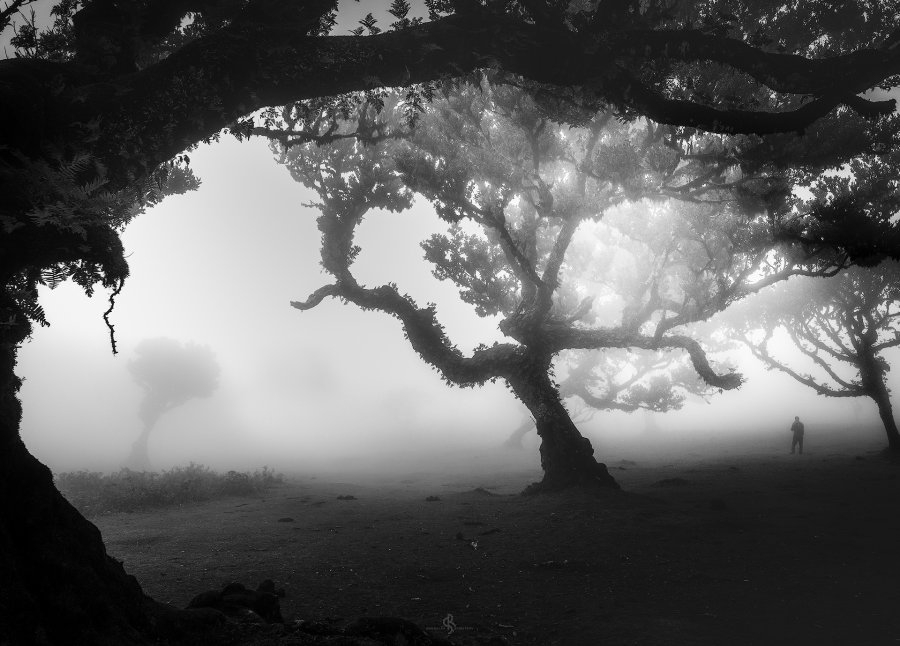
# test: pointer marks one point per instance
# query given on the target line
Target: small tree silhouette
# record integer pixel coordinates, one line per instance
(170, 374)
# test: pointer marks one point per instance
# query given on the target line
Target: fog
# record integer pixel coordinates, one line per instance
(334, 387)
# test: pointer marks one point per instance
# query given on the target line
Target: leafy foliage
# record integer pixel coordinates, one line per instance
(516, 187)
(400, 10)
(438, 8)
(55, 42)
(69, 196)
(476, 266)
(858, 205)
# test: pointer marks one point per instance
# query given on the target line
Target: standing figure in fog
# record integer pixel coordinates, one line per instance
(797, 430)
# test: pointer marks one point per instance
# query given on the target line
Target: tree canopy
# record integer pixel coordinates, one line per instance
(105, 102)
(615, 233)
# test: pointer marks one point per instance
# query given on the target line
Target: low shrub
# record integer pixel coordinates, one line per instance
(96, 493)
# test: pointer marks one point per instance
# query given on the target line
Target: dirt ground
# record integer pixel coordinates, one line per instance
(739, 548)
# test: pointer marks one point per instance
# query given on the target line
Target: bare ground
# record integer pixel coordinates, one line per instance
(765, 548)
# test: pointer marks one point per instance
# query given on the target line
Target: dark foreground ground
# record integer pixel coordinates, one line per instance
(763, 548)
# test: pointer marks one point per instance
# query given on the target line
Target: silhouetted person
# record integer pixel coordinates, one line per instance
(797, 430)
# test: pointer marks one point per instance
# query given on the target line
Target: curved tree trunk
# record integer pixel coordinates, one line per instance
(567, 457)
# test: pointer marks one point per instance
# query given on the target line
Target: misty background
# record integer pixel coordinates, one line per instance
(330, 387)
(334, 387)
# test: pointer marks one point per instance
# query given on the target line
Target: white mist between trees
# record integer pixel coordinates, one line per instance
(297, 387)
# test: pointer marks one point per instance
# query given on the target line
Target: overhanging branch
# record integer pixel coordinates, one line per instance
(257, 63)
(424, 332)
(786, 73)
(569, 338)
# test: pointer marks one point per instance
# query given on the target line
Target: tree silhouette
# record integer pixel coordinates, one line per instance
(490, 156)
(96, 114)
(842, 323)
(170, 374)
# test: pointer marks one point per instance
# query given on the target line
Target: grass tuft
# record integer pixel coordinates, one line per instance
(96, 493)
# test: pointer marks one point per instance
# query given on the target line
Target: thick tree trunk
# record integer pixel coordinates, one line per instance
(567, 457)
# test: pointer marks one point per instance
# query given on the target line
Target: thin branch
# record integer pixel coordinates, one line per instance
(842, 353)
(112, 305)
(7, 13)
(819, 361)
(763, 355)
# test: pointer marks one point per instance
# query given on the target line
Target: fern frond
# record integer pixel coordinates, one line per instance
(35, 312)
(54, 276)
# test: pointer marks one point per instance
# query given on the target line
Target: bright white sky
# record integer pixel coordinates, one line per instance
(219, 266)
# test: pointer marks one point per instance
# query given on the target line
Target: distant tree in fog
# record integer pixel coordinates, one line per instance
(842, 326)
(170, 374)
(515, 187)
